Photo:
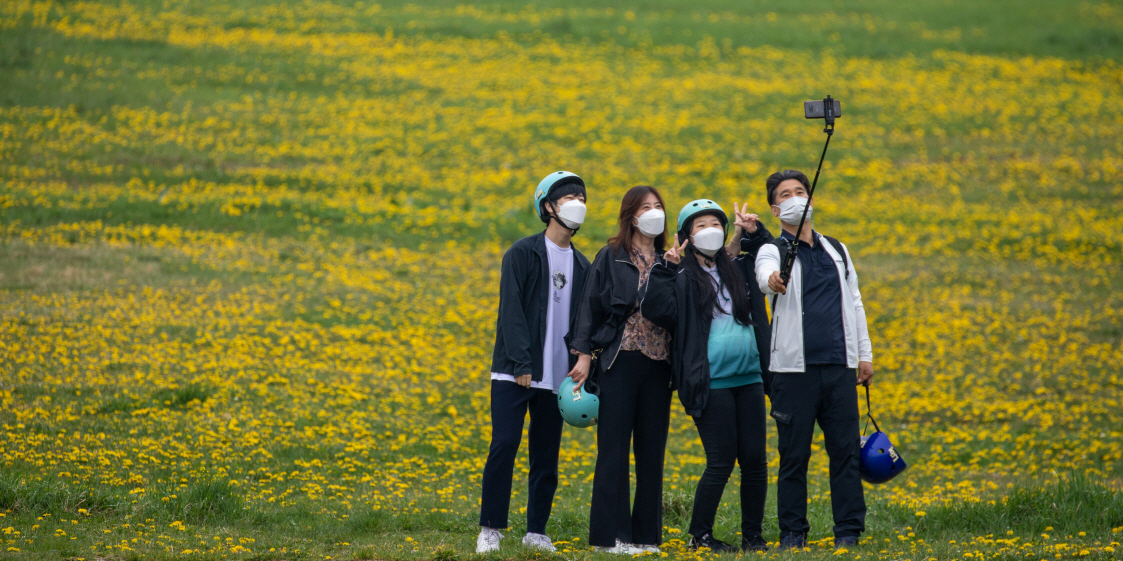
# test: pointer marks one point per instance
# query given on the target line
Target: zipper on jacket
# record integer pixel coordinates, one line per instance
(633, 265)
(658, 260)
(775, 327)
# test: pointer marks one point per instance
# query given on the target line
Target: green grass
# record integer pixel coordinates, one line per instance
(1073, 505)
(25, 493)
(214, 508)
(30, 58)
(1002, 27)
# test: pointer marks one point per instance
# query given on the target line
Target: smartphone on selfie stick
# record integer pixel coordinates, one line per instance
(828, 109)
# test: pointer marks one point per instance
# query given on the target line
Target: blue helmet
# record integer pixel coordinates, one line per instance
(880, 461)
(578, 407)
(549, 182)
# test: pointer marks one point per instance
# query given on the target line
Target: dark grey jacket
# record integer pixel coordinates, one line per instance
(524, 292)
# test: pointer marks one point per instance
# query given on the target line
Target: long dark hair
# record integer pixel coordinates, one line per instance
(705, 292)
(631, 203)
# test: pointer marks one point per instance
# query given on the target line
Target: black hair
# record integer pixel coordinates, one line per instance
(779, 177)
(571, 187)
(704, 290)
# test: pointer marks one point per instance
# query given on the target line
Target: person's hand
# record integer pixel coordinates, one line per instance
(865, 373)
(776, 283)
(674, 255)
(581, 370)
(523, 380)
(743, 220)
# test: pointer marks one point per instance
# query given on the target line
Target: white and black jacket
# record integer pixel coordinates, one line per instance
(787, 318)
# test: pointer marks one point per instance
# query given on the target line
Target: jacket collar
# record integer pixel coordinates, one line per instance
(814, 235)
(540, 243)
(621, 254)
(540, 249)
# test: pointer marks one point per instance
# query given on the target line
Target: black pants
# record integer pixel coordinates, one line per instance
(635, 398)
(732, 428)
(509, 404)
(826, 393)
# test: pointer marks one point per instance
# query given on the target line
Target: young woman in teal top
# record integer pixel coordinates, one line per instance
(710, 303)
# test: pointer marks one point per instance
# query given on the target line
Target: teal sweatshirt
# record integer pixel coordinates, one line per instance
(734, 358)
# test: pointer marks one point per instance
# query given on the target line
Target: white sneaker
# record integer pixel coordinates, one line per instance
(621, 548)
(539, 541)
(648, 548)
(488, 540)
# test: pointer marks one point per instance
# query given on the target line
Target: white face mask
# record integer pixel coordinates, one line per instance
(791, 210)
(709, 240)
(652, 223)
(572, 214)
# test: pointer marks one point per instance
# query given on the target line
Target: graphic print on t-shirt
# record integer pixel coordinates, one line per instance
(559, 283)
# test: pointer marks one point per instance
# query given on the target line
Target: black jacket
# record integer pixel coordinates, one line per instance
(524, 291)
(612, 296)
(670, 304)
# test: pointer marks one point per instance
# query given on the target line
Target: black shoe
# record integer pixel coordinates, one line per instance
(754, 543)
(715, 545)
(845, 541)
(792, 541)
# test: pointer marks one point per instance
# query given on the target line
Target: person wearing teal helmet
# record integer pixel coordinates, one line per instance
(703, 294)
(560, 197)
(541, 283)
(633, 374)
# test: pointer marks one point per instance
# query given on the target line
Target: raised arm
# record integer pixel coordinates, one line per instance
(767, 262)
(750, 244)
(660, 304)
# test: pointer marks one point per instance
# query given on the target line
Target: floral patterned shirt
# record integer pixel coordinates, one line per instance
(639, 333)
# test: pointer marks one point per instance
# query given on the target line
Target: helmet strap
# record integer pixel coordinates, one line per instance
(706, 259)
(869, 414)
(554, 217)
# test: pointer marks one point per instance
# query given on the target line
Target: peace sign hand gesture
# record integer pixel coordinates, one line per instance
(743, 220)
(674, 255)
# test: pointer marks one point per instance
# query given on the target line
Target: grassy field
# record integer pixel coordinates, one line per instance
(250, 258)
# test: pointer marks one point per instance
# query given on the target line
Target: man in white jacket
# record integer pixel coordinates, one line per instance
(819, 339)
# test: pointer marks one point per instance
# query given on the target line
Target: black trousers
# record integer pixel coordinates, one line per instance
(826, 393)
(509, 404)
(732, 428)
(635, 398)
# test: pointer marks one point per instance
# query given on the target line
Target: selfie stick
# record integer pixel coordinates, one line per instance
(789, 258)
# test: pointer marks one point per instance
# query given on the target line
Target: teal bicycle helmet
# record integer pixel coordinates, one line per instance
(578, 407)
(701, 207)
(548, 183)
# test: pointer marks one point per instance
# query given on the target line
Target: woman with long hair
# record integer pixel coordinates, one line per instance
(715, 313)
(633, 374)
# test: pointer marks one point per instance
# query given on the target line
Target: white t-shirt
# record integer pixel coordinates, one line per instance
(555, 355)
(724, 301)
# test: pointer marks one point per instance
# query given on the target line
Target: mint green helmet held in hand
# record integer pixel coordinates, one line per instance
(699, 207)
(578, 407)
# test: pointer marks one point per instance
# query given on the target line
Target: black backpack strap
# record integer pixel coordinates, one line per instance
(781, 245)
(845, 260)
